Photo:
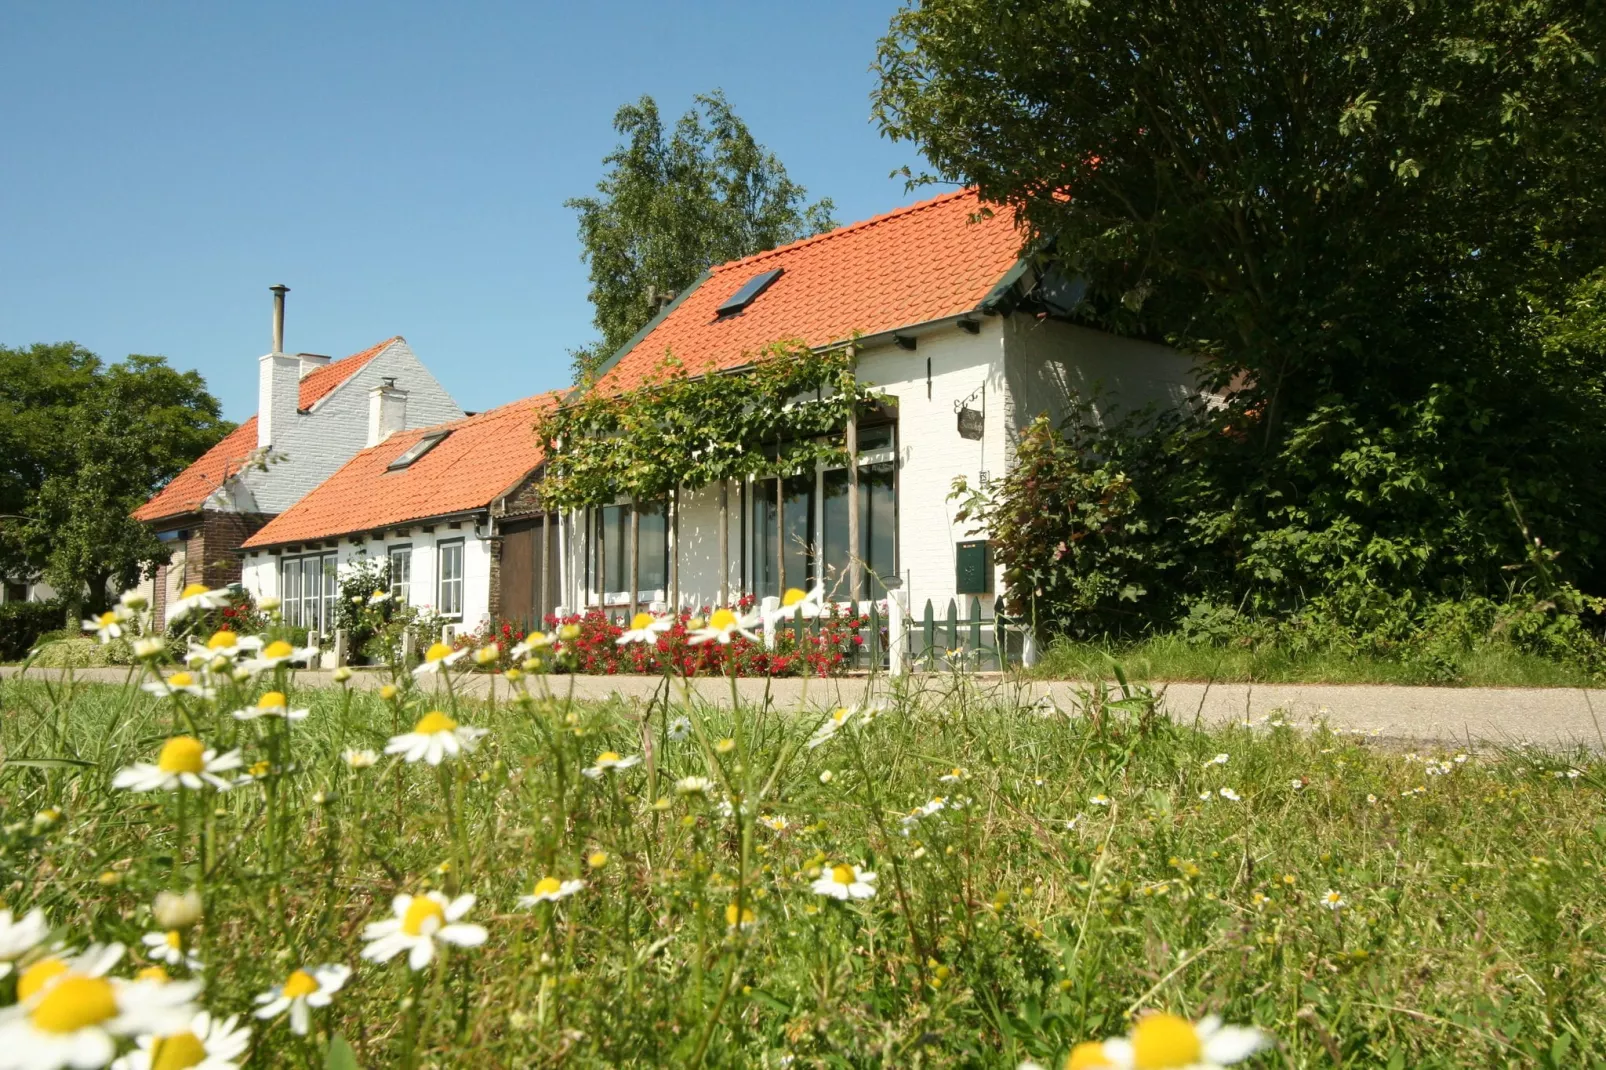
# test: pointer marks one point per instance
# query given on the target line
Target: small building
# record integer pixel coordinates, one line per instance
(313, 415)
(453, 510)
(968, 341)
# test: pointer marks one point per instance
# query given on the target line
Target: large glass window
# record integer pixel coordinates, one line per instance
(787, 560)
(877, 528)
(652, 552)
(450, 603)
(401, 574)
(610, 558)
(307, 592)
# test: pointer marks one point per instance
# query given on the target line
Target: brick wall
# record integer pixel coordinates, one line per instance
(216, 561)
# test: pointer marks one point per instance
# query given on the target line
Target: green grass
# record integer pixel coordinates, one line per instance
(1004, 928)
(1173, 658)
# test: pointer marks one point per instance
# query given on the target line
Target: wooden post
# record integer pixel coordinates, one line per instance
(780, 534)
(544, 596)
(724, 543)
(855, 562)
(673, 535)
(635, 558)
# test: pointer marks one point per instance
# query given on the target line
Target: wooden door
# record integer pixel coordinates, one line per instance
(524, 596)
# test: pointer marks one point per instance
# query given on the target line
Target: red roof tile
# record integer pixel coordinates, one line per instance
(185, 492)
(923, 262)
(484, 456)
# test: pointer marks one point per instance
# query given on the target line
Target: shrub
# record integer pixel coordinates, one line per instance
(22, 624)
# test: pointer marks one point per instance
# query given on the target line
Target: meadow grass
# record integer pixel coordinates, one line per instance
(1041, 877)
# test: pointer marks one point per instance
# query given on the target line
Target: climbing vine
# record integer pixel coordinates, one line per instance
(779, 415)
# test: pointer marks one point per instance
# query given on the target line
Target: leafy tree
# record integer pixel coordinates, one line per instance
(670, 205)
(86, 445)
(1382, 223)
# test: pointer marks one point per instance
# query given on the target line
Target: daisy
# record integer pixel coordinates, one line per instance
(132, 602)
(744, 918)
(184, 762)
(226, 644)
(438, 657)
(953, 776)
(279, 653)
(1230, 795)
(106, 627)
(69, 1014)
(1099, 800)
(180, 683)
(775, 823)
(359, 759)
(271, 704)
(435, 737)
(168, 947)
(693, 785)
(208, 1044)
(644, 628)
(830, 726)
(608, 761)
(680, 729)
(487, 654)
(845, 882)
(550, 890)
(1220, 759)
(1162, 1041)
(379, 598)
(794, 602)
(308, 987)
(419, 922)
(18, 936)
(530, 644)
(196, 597)
(721, 624)
(1332, 900)
(149, 646)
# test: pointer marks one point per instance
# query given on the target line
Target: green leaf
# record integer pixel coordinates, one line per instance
(340, 1056)
(45, 763)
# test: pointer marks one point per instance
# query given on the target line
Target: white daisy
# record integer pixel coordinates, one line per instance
(953, 776)
(608, 761)
(1230, 795)
(208, 1044)
(775, 822)
(279, 653)
(438, 657)
(1165, 1040)
(722, 624)
(645, 628)
(69, 1014)
(1099, 800)
(304, 989)
(845, 882)
(132, 603)
(180, 683)
(18, 936)
(434, 738)
(830, 726)
(795, 601)
(1220, 759)
(530, 644)
(1333, 901)
(184, 762)
(693, 785)
(359, 759)
(197, 598)
(149, 646)
(550, 890)
(107, 626)
(168, 947)
(419, 922)
(225, 644)
(379, 598)
(680, 729)
(271, 704)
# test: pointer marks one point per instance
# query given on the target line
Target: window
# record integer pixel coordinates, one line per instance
(450, 602)
(417, 450)
(16, 592)
(401, 574)
(610, 558)
(749, 292)
(307, 592)
(794, 567)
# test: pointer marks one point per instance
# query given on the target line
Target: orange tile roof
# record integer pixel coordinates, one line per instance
(185, 492)
(926, 261)
(484, 456)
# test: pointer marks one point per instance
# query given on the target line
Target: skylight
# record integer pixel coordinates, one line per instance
(417, 450)
(749, 292)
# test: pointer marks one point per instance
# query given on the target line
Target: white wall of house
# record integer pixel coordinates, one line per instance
(1049, 361)
(319, 441)
(261, 573)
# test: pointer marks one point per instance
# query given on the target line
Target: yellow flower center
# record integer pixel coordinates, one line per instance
(177, 1052)
(175, 939)
(74, 1003)
(278, 649)
(38, 975)
(437, 652)
(842, 874)
(1164, 1040)
(1089, 1055)
(421, 910)
(432, 722)
(192, 590)
(640, 621)
(722, 620)
(299, 984)
(181, 754)
(608, 757)
(222, 640)
(747, 916)
(106, 620)
(388, 692)
(792, 597)
(840, 714)
(273, 700)
(262, 768)
(181, 679)
(546, 886)
(153, 973)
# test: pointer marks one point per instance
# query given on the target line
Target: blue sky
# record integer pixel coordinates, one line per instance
(402, 167)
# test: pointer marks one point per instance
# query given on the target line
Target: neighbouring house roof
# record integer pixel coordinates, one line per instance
(481, 458)
(186, 492)
(924, 262)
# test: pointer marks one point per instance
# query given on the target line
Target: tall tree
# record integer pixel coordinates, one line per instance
(86, 444)
(670, 206)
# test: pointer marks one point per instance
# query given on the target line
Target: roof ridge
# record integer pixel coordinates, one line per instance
(850, 228)
(501, 411)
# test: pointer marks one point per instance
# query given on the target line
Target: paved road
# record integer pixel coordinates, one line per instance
(1546, 716)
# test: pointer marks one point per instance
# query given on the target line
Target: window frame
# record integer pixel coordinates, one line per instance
(441, 579)
(293, 601)
(400, 590)
(618, 593)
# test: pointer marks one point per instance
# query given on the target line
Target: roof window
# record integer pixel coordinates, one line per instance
(417, 450)
(749, 292)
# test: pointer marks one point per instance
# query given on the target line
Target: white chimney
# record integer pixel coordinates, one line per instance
(311, 362)
(387, 411)
(278, 379)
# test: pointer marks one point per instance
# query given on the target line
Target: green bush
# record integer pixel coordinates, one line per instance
(22, 624)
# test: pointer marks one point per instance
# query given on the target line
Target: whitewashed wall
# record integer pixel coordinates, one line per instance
(1048, 361)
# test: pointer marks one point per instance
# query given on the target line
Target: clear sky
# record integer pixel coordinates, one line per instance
(402, 167)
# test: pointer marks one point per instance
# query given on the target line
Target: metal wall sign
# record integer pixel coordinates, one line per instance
(972, 421)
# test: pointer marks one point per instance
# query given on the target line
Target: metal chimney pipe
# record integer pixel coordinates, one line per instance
(278, 316)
